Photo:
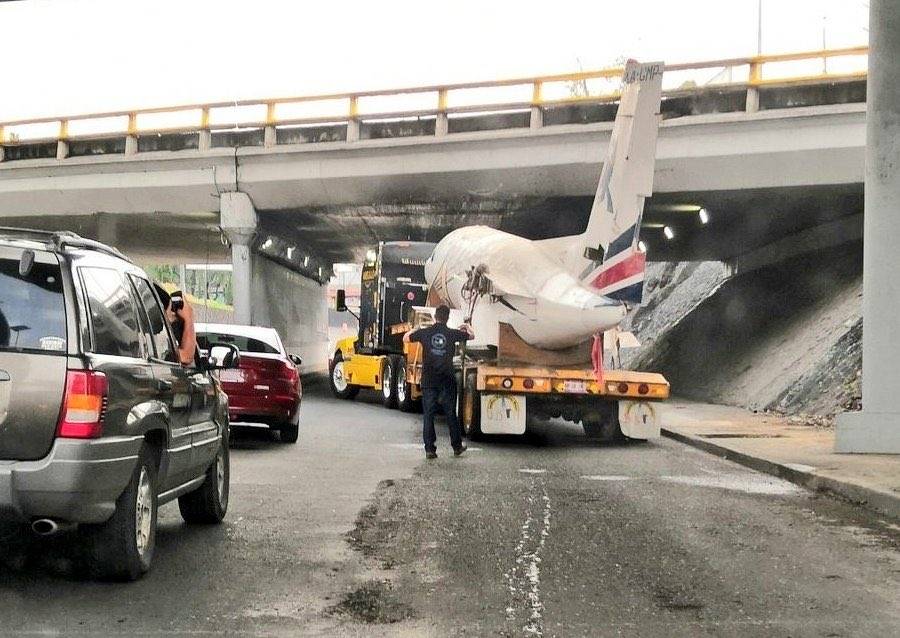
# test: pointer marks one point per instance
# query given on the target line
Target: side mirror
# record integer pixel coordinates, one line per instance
(296, 360)
(340, 300)
(224, 355)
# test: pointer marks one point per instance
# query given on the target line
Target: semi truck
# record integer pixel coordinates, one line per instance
(502, 389)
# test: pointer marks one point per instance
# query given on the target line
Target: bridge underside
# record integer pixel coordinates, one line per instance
(740, 222)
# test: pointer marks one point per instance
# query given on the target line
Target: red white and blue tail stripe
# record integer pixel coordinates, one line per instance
(621, 275)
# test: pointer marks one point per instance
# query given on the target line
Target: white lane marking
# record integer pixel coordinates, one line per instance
(524, 579)
(532, 470)
(606, 477)
(748, 483)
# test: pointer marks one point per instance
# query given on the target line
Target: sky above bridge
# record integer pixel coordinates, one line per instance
(84, 56)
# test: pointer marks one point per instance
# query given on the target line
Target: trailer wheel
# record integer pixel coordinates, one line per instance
(338, 380)
(388, 385)
(403, 389)
(602, 423)
(470, 408)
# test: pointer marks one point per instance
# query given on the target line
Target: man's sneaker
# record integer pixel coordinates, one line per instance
(430, 455)
(457, 451)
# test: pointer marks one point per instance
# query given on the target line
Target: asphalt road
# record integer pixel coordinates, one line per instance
(351, 532)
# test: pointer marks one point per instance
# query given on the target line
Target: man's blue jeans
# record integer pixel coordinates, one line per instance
(444, 396)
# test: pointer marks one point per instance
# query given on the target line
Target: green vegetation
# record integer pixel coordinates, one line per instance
(205, 288)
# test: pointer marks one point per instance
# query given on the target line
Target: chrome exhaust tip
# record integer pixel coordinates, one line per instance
(44, 527)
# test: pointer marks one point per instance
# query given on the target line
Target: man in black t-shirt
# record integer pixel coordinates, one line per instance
(438, 378)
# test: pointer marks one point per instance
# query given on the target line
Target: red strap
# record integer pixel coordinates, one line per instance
(597, 356)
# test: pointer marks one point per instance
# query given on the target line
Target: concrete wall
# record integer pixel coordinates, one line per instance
(296, 307)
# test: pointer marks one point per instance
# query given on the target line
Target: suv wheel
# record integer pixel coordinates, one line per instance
(122, 547)
(209, 502)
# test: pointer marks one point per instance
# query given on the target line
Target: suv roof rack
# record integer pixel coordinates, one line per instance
(61, 239)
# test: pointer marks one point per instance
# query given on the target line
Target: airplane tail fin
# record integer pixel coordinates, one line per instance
(606, 257)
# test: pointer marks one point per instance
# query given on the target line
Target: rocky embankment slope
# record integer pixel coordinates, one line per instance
(785, 338)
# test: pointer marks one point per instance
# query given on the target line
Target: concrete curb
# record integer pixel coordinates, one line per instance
(882, 502)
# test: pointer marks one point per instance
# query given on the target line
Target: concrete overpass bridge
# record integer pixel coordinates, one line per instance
(777, 161)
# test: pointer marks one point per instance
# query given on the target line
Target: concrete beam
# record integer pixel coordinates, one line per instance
(731, 151)
(877, 428)
(827, 235)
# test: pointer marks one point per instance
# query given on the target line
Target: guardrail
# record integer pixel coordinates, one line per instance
(534, 94)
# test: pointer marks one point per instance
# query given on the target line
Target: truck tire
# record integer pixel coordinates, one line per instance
(603, 424)
(404, 390)
(338, 382)
(388, 385)
(470, 408)
(122, 547)
(209, 502)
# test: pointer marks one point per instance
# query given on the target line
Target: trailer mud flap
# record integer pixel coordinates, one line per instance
(639, 419)
(503, 413)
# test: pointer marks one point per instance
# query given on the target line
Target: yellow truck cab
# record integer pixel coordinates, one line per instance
(392, 284)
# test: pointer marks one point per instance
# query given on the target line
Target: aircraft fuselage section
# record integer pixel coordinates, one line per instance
(547, 306)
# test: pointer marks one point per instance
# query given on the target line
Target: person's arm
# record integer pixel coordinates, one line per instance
(408, 336)
(187, 349)
(466, 329)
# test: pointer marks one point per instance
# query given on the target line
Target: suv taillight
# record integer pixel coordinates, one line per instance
(84, 405)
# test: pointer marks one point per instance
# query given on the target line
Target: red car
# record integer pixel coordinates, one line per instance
(266, 387)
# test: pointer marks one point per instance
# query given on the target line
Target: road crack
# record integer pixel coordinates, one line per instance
(524, 579)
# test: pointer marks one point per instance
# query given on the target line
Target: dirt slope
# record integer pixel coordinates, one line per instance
(786, 338)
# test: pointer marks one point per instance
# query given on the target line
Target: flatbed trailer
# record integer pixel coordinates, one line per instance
(497, 397)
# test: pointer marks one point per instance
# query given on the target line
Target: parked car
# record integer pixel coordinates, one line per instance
(99, 423)
(266, 387)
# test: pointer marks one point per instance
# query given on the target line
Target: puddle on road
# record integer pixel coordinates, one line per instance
(748, 483)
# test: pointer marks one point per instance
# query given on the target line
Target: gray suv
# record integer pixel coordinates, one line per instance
(99, 423)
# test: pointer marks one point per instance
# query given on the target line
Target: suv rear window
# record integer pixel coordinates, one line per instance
(248, 345)
(114, 319)
(32, 307)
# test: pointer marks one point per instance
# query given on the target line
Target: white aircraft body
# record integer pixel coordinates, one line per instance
(558, 292)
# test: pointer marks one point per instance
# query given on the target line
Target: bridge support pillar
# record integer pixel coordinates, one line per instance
(441, 125)
(537, 117)
(353, 130)
(62, 149)
(107, 229)
(238, 222)
(752, 103)
(131, 145)
(269, 139)
(877, 428)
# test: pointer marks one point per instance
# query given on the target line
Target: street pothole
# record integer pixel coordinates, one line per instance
(373, 602)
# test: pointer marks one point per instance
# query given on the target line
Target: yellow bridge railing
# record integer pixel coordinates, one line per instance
(440, 101)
